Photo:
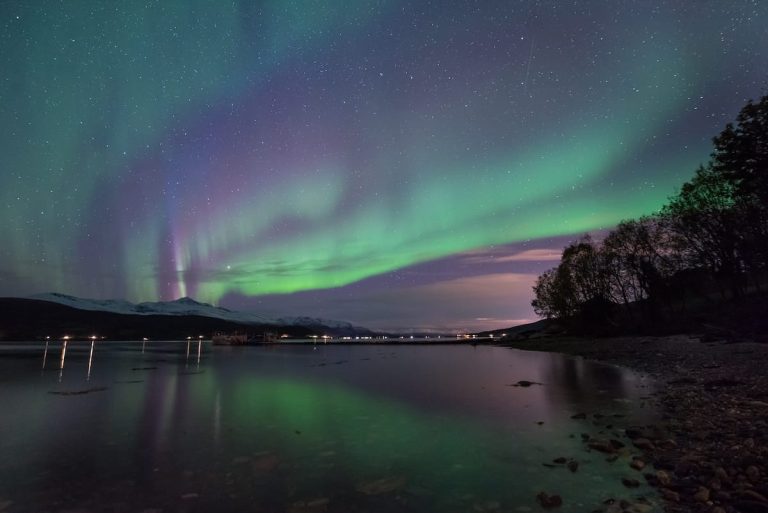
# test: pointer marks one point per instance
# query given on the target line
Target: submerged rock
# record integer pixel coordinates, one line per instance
(525, 383)
(318, 505)
(601, 445)
(629, 482)
(380, 486)
(549, 501)
(78, 392)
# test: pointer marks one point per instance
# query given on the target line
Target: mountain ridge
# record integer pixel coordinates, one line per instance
(55, 315)
(190, 306)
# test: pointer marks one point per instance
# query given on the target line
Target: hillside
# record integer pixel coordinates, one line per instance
(32, 318)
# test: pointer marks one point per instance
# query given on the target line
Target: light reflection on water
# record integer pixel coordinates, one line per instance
(297, 428)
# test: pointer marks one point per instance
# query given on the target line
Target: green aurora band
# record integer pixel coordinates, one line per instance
(161, 150)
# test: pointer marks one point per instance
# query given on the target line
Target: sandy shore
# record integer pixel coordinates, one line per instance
(709, 452)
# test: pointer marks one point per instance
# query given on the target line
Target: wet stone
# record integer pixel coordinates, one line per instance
(630, 482)
(549, 501)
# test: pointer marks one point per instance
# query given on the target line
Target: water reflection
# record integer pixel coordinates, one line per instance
(63, 355)
(90, 358)
(364, 428)
(45, 352)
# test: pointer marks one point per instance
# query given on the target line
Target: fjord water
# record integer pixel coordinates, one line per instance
(375, 428)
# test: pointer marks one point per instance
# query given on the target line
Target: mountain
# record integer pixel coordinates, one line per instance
(537, 329)
(182, 306)
(55, 314)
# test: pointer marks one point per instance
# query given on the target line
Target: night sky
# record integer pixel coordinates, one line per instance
(396, 164)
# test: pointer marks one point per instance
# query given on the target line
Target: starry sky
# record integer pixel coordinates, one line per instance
(395, 163)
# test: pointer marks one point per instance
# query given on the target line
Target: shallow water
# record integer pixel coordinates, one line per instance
(300, 429)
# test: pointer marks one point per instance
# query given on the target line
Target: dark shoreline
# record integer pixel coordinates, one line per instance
(710, 449)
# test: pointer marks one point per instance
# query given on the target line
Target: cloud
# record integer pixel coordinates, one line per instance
(473, 303)
(528, 255)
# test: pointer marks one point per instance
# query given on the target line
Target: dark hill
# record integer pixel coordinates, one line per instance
(28, 319)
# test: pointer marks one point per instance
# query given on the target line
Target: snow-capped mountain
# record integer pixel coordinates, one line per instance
(188, 306)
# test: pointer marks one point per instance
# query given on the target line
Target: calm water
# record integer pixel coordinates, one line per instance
(303, 429)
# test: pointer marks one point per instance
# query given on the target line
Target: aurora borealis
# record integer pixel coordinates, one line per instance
(393, 163)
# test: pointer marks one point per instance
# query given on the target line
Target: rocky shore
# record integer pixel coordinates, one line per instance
(709, 452)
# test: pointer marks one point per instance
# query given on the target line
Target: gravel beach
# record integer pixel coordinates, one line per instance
(709, 452)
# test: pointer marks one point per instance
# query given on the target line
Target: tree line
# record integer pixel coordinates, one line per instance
(707, 245)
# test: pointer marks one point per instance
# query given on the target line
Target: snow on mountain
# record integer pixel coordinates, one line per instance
(188, 306)
(101, 305)
(183, 306)
(315, 321)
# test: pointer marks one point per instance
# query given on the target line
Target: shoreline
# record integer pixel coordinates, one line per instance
(709, 449)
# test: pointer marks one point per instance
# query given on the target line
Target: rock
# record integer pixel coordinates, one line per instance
(629, 482)
(612, 458)
(643, 444)
(265, 463)
(751, 495)
(702, 495)
(601, 445)
(637, 464)
(549, 501)
(573, 465)
(721, 496)
(663, 478)
(670, 495)
(380, 486)
(717, 509)
(616, 444)
(560, 460)
(721, 474)
(319, 505)
(524, 383)
(579, 416)
(751, 507)
(753, 473)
